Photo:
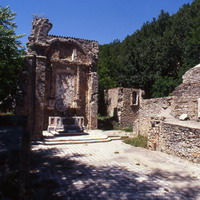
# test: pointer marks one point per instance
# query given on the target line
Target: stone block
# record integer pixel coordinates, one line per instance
(183, 117)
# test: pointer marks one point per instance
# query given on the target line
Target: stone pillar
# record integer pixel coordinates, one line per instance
(92, 100)
(29, 103)
(40, 77)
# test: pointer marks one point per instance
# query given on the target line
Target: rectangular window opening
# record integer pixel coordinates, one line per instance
(134, 98)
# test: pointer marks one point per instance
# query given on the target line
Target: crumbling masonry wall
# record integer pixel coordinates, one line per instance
(186, 95)
(175, 139)
(151, 108)
(123, 104)
(182, 141)
(61, 78)
(159, 119)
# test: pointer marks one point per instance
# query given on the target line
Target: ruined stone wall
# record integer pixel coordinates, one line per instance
(151, 108)
(122, 105)
(180, 141)
(175, 139)
(186, 95)
(186, 100)
(168, 134)
(129, 110)
(155, 128)
(112, 99)
(155, 106)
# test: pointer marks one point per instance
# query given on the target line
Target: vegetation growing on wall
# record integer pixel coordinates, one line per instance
(155, 57)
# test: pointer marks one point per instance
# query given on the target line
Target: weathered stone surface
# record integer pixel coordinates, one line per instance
(123, 104)
(192, 75)
(181, 141)
(186, 94)
(151, 108)
(62, 78)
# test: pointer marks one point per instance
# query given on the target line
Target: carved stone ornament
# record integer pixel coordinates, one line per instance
(61, 105)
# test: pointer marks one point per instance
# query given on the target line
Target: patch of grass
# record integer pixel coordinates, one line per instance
(103, 117)
(6, 113)
(126, 128)
(139, 141)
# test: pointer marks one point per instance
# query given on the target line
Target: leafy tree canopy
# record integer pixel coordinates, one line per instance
(155, 57)
(11, 60)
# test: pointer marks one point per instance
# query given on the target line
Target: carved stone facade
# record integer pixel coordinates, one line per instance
(62, 78)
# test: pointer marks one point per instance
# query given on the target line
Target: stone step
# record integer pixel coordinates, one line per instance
(95, 140)
(69, 133)
(68, 128)
(77, 140)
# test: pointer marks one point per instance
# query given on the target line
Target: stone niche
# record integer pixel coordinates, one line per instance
(61, 78)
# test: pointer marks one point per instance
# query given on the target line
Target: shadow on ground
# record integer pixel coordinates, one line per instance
(14, 158)
(58, 178)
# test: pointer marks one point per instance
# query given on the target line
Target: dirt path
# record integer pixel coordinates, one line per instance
(111, 170)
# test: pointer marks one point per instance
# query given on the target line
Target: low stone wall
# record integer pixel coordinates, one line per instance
(180, 141)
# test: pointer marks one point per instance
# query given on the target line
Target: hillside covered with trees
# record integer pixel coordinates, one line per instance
(155, 57)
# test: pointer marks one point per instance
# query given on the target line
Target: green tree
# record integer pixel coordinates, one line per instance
(11, 59)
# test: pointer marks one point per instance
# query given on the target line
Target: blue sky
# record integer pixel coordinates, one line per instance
(100, 20)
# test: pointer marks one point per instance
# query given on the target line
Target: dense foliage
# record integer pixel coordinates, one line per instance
(10, 59)
(155, 57)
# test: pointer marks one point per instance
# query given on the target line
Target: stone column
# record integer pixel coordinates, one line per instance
(29, 103)
(40, 77)
(92, 100)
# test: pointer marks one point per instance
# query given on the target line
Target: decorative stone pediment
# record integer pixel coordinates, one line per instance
(65, 51)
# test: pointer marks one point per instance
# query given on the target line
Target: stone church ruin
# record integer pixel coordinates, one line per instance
(62, 81)
(61, 96)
